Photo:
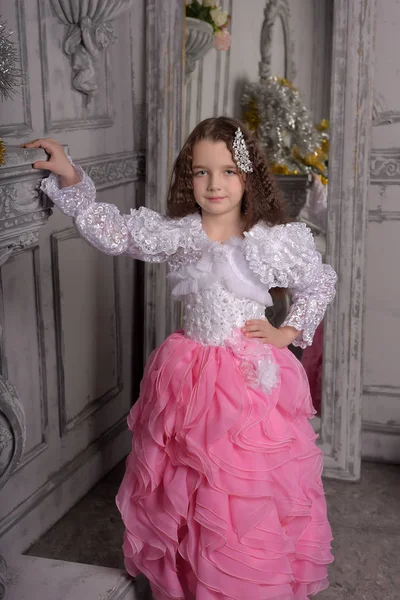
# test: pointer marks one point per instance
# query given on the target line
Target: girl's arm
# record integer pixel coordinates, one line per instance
(285, 256)
(144, 234)
(312, 286)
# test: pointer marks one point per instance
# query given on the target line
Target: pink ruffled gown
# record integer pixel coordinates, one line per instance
(222, 495)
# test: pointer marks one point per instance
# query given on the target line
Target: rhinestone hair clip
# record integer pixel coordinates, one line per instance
(241, 154)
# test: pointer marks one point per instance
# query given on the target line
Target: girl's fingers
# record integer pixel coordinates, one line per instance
(257, 326)
(31, 144)
(44, 165)
(47, 144)
(258, 322)
(255, 334)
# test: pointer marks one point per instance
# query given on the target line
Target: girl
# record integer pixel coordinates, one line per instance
(222, 495)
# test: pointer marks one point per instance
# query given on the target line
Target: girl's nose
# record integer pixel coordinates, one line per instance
(213, 184)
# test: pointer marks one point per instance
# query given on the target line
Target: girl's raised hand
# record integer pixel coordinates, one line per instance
(58, 162)
(268, 334)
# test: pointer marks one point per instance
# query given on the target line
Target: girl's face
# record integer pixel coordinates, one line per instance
(217, 186)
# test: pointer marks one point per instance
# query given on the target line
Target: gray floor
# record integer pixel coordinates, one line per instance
(365, 519)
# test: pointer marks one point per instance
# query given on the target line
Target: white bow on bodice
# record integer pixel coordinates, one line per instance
(223, 264)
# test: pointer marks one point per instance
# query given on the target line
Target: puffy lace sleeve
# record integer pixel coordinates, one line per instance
(286, 256)
(144, 234)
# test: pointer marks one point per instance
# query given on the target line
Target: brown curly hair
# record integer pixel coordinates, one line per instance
(262, 200)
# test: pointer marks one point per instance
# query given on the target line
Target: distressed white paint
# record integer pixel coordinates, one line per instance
(351, 111)
(381, 373)
(164, 67)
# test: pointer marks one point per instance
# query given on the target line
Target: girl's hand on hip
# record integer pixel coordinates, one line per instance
(58, 162)
(268, 334)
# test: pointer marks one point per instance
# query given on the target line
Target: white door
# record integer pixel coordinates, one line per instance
(68, 312)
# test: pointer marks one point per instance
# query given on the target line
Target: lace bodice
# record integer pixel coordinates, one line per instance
(220, 285)
(219, 292)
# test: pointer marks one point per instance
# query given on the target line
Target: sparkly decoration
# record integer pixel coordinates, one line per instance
(274, 111)
(285, 256)
(241, 154)
(9, 74)
(2, 152)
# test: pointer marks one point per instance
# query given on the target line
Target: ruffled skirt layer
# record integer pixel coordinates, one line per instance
(222, 495)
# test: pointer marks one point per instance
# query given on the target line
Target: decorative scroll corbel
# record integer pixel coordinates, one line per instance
(90, 31)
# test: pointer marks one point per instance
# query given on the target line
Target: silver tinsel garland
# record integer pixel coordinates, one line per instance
(10, 75)
(274, 109)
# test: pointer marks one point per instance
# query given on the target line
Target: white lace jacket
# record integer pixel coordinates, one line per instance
(220, 285)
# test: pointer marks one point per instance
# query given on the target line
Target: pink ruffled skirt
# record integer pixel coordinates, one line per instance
(222, 495)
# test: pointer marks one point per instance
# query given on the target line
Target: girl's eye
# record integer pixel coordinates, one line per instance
(230, 172)
(199, 173)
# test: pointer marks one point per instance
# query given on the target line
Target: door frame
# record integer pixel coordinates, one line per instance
(349, 171)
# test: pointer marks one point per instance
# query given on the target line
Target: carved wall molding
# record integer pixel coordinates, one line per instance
(115, 169)
(89, 31)
(387, 117)
(377, 215)
(376, 427)
(276, 9)
(377, 391)
(23, 210)
(381, 113)
(67, 424)
(385, 166)
(382, 390)
(84, 122)
(384, 170)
